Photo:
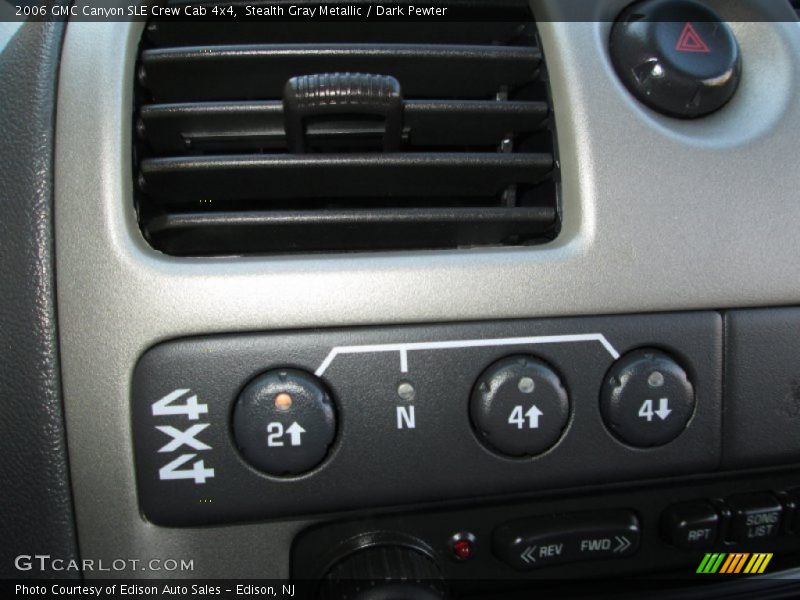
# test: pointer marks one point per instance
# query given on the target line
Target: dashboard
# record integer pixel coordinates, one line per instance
(298, 343)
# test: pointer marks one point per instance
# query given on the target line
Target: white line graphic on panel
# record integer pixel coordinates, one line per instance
(405, 348)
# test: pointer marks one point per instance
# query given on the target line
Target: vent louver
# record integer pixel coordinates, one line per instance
(473, 163)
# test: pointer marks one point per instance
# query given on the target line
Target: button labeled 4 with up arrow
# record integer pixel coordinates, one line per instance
(647, 412)
(520, 419)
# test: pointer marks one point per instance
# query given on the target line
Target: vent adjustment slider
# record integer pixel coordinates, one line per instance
(355, 95)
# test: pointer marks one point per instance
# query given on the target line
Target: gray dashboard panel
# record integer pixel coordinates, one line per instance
(659, 215)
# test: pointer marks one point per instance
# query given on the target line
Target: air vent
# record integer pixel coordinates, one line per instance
(403, 135)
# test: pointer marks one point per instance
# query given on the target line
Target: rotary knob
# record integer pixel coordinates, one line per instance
(384, 572)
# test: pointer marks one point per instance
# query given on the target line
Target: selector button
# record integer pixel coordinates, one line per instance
(284, 422)
(519, 406)
(755, 516)
(547, 541)
(691, 525)
(792, 504)
(676, 56)
(647, 398)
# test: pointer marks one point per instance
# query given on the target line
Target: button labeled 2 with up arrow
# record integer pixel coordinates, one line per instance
(284, 422)
(276, 432)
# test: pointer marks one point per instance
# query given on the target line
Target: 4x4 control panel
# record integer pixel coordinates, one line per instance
(244, 427)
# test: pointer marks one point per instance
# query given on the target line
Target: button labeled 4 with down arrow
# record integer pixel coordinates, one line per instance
(647, 398)
(647, 412)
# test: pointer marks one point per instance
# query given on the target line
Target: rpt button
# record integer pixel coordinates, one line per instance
(558, 539)
(691, 525)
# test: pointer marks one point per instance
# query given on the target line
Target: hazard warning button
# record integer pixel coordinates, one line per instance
(676, 56)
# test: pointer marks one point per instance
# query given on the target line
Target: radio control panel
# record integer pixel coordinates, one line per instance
(676, 531)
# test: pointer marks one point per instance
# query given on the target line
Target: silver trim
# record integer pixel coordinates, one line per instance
(636, 238)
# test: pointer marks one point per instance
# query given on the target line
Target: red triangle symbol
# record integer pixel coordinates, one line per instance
(690, 41)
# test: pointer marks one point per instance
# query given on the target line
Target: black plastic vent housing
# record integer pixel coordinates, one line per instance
(461, 155)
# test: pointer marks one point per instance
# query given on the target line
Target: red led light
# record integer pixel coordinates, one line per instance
(462, 549)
